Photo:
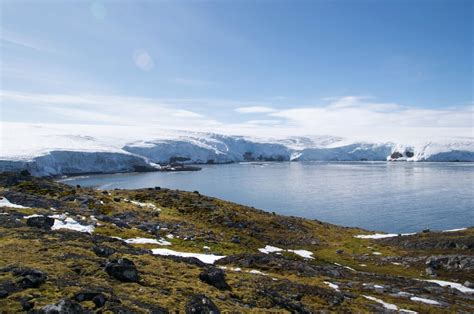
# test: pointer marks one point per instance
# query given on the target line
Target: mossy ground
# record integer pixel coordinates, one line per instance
(198, 221)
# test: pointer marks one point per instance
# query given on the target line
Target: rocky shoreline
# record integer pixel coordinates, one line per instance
(67, 249)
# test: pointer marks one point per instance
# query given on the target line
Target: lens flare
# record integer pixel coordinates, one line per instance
(143, 60)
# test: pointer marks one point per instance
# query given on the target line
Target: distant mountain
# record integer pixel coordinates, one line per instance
(46, 150)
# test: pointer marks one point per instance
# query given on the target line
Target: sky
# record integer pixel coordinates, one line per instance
(358, 68)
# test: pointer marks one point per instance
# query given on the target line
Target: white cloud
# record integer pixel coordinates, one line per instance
(254, 109)
(353, 117)
(106, 109)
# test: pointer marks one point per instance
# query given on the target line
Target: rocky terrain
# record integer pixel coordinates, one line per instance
(67, 249)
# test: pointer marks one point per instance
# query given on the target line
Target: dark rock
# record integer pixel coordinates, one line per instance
(30, 278)
(187, 260)
(27, 305)
(64, 306)
(215, 277)
(235, 239)
(339, 251)
(396, 155)
(426, 230)
(99, 300)
(469, 284)
(201, 304)
(3, 294)
(122, 269)
(103, 251)
(85, 296)
(409, 154)
(41, 222)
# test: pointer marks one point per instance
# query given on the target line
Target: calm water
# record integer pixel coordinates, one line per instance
(391, 197)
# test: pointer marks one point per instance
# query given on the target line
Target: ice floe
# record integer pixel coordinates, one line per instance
(4, 202)
(453, 285)
(205, 258)
(426, 301)
(71, 224)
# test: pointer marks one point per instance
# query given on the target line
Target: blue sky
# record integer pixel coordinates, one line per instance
(250, 66)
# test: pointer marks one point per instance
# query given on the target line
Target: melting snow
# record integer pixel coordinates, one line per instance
(4, 202)
(71, 224)
(386, 305)
(332, 286)
(381, 235)
(454, 230)
(426, 301)
(377, 253)
(205, 258)
(145, 241)
(33, 216)
(453, 285)
(270, 249)
(302, 253)
(149, 205)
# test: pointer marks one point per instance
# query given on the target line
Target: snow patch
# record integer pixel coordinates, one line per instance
(381, 235)
(454, 230)
(332, 286)
(145, 241)
(302, 253)
(426, 301)
(4, 202)
(148, 205)
(205, 258)
(453, 285)
(386, 305)
(270, 249)
(71, 224)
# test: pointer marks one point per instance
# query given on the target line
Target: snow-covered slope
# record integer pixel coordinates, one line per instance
(60, 149)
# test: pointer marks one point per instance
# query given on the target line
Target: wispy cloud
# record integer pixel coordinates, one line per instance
(107, 109)
(351, 116)
(255, 109)
(15, 39)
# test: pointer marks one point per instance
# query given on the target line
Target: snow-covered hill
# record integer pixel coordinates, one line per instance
(59, 149)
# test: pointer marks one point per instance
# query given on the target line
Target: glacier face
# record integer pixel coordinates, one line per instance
(53, 151)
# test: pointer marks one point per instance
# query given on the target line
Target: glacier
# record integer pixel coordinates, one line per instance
(46, 150)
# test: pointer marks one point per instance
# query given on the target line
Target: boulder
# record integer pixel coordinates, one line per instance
(103, 251)
(30, 277)
(40, 222)
(215, 277)
(396, 155)
(122, 269)
(201, 304)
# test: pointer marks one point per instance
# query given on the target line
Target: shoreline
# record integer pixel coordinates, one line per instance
(235, 256)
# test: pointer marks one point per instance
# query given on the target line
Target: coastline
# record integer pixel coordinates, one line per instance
(177, 239)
